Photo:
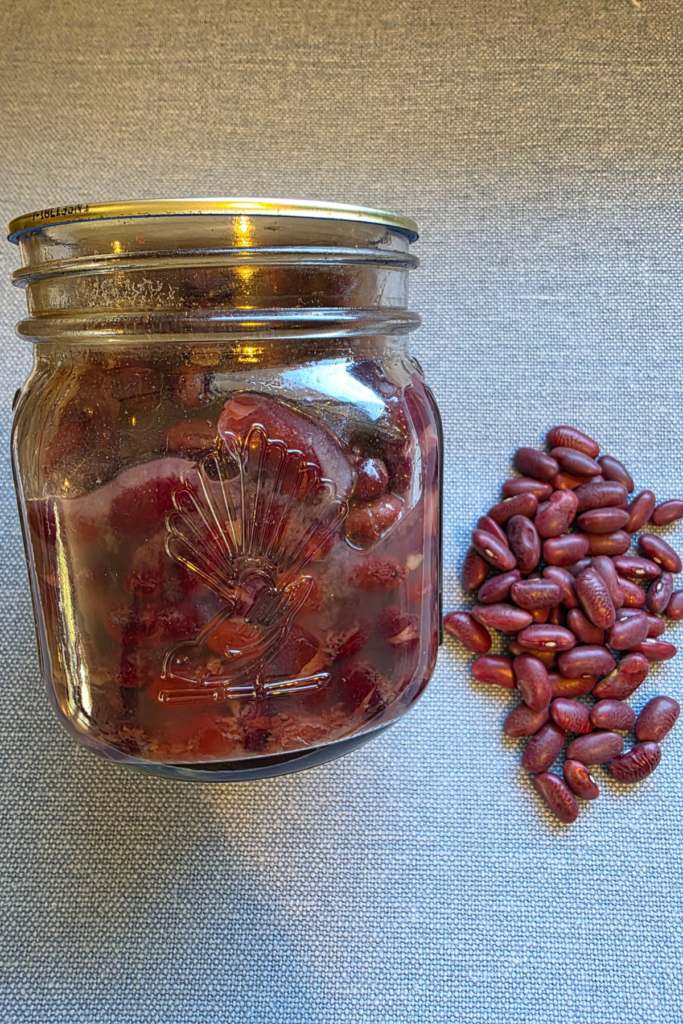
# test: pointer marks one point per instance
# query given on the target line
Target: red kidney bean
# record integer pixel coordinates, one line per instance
(624, 680)
(471, 634)
(547, 657)
(531, 462)
(583, 629)
(580, 780)
(612, 469)
(640, 510)
(667, 512)
(616, 543)
(560, 686)
(565, 580)
(524, 542)
(564, 481)
(655, 625)
(628, 631)
(660, 552)
(656, 650)
(571, 716)
(635, 568)
(497, 587)
(606, 494)
(491, 668)
(613, 715)
(474, 570)
(657, 718)
(586, 661)
(570, 437)
(549, 638)
(558, 615)
(555, 516)
(634, 596)
(605, 566)
(636, 764)
(603, 520)
(522, 484)
(492, 527)
(575, 462)
(674, 609)
(557, 796)
(504, 617)
(491, 549)
(659, 594)
(565, 550)
(524, 504)
(594, 596)
(574, 568)
(531, 594)
(543, 748)
(596, 748)
(532, 681)
(523, 721)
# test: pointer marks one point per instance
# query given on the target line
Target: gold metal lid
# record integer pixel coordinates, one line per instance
(193, 207)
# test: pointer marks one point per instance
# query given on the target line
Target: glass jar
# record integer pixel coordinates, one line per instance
(228, 469)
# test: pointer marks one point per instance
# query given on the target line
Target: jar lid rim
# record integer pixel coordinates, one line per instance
(124, 209)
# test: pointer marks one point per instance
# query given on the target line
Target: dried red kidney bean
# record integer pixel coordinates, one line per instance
(555, 516)
(497, 587)
(624, 680)
(522, 484)
(565, 550)
(583, 629)
(565, 436)
(667, 512)
(523, 721)
(656, 650)
(524, 504)
(636, 764)
(635, 568)
(561, 686)
(640, 510)
(613, 715)
(503, 617)
(491, 549)
(474, 570)
(612, 469)
(660, 552)
(605, 566)
(659, 594)
(570, 715)
(657, 719)
(492, 527)
(531, 462)
(596, 748)
(557, 796)
(594, 597)
(492, 668)
(655, 625)
(532, 681)
(603, 520)
(586, 661)
(573, 461)
(606, 494)
(628, 631)
(543, 747)
(608, 543)
(553, 638)
(547, 657)
(564, 481)
(372, 480)
(531, 594)
(634, 596)
(470, 633)
(524, 543)
(580, 780)
(565, 580)
(674, 609)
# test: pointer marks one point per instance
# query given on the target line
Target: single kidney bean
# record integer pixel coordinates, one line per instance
(522, 484)
(640, 510)
(659, 594)
(580, 780)
(636, 764)
(558, 615)
(596, 748)
(569, 437)
(492, 527)
(565, 580)
(594, 596)
(543, 748)
(548, 638)
(667, 512)
(660, 552)
(497, 587)
(557, 796)
(524, 504)
(674, 609)
(570, 715)
(635, 568)
(532, 681)
(656, 650)
(583, 629)
(575, 462)
(657, 718)
(603, 520)
(531, 594)
(627, 631)
(524, 542)
(491, 549)
(504, 617)
(655, 625)
(564, 481)
(491, 668)
(565, 550)
(606, 494)
(523, 721)
(634, 596)
(605, 566)
(612, 469)
(554, 517)
(586, 661)
(560, 686)
(616, 543)
(474, 570)
(624, 680)
(574, 568)
(613, 715)
(531, 462)
(471, 634)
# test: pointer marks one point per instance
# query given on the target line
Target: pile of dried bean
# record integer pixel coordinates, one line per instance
(572, 600)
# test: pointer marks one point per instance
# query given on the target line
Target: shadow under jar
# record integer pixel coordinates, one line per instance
(228, 469)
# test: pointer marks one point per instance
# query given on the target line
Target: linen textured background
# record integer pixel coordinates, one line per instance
(538, 144)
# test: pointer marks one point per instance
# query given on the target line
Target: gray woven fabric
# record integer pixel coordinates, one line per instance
(417, 880)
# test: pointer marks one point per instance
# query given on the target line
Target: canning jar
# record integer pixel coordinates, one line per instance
(228, 472)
